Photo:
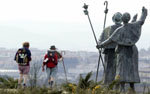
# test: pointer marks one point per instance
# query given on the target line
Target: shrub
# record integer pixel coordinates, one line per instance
(8, 82)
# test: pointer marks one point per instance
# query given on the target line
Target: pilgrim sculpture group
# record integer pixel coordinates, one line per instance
(118, 43)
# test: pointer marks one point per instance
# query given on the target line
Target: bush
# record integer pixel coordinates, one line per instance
(84, 86)
(8, 82)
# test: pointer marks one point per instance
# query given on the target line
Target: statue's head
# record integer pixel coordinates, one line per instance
(117, 18)
(126, 17)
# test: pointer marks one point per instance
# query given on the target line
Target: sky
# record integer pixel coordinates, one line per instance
(62, 22)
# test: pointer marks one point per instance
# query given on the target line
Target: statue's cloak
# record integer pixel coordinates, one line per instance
(127, 34)
(126, 37)
(109, 54)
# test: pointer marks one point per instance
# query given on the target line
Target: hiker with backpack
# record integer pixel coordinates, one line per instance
(50, 61)
(23, 57)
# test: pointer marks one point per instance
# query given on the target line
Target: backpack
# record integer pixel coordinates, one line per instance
(52, 57)
(21, 57)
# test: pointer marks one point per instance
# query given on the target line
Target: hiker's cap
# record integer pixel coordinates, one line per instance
(53, 47)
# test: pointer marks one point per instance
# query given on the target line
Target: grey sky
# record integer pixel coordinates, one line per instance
(62, 22)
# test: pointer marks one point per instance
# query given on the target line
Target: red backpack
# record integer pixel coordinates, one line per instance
(52, 59)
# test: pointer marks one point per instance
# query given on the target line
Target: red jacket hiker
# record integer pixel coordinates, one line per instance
(51, 58)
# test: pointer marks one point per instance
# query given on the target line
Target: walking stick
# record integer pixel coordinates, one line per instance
(100, 56)
(64, 67)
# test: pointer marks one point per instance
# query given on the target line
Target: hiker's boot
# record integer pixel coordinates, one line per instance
(24, 86)
(19, 86)
(49, 83)
(52, 82)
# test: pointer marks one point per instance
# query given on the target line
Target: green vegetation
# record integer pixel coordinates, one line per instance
(85, 85)
(8, 82)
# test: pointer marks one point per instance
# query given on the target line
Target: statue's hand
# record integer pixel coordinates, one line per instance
(144, 10)
(99, 46)
(135, 17)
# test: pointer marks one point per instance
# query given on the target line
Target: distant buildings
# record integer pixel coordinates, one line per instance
(78, 62)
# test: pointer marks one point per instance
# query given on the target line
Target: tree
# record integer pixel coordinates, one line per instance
(34, 73)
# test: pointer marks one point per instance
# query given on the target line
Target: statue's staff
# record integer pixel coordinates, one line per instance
(87, 13)
(100, 56)
(106, 11)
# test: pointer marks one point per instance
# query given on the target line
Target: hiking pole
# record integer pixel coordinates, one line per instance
(64, 67)
(100, 56)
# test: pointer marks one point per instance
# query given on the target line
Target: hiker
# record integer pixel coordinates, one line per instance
(23, 58)
(126, 37)
(51, 60)
(109, 50)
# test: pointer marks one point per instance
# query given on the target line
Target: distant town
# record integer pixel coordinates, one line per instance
(76, 62)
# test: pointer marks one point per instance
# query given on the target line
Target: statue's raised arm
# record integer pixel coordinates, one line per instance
(143, 16)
